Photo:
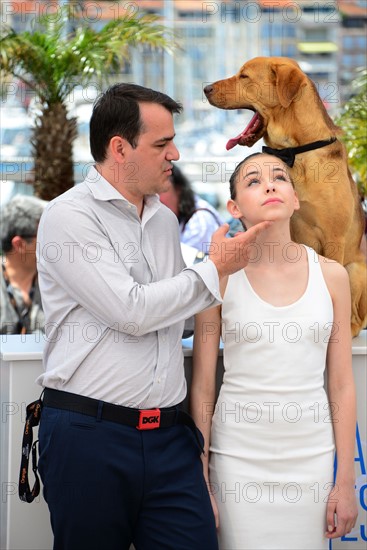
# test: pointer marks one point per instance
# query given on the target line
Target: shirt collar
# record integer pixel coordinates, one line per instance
(102, 190)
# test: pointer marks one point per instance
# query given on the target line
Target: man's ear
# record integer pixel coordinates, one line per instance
(17, 243)
(118, 147)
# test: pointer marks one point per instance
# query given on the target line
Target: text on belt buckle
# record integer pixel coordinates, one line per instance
(149, 419)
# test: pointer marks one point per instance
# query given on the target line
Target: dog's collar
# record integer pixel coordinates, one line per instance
(288, 155)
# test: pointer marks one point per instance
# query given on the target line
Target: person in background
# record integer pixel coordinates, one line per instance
(20, 309)
(197, 218)
(284, 320)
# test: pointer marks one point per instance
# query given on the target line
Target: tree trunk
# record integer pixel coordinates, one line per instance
(53, 152)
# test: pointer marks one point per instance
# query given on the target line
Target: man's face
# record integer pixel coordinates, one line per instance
(149, 166)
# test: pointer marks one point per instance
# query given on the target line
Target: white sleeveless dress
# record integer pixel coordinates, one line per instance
(272, 444)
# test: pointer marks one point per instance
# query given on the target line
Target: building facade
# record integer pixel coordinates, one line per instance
(214, 39)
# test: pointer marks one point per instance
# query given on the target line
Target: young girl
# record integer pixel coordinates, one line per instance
(273, 431)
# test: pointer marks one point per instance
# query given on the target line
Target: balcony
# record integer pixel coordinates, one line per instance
(317, 47)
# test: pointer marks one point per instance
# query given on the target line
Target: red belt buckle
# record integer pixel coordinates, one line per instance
(149, 419)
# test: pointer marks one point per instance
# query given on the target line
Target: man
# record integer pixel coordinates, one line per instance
(120, 464)
(20, 299)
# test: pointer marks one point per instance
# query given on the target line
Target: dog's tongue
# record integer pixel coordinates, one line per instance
(248, 131)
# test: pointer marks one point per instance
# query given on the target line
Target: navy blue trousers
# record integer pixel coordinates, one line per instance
(108, 485)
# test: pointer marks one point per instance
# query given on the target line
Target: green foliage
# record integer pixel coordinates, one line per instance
(353, 121)
(52, 63)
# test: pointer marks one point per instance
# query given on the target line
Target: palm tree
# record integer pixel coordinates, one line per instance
(353, 120)
(52, 63)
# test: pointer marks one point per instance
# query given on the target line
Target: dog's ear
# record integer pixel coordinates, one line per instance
(288, 83)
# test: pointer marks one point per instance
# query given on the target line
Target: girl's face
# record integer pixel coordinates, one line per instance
(263, 191)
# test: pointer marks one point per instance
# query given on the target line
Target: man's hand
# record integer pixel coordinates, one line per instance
(232, 254)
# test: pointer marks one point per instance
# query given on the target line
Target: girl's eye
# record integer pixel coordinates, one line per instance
(282, 178)
(253, 181)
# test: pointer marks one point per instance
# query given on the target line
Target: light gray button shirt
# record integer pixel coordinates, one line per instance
(115, 296)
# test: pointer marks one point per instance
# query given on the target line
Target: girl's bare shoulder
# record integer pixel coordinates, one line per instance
(334, 273)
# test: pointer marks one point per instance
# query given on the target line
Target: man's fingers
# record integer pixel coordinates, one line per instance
(250, 235)
(258, 228)
(231, 254)
(222, 230)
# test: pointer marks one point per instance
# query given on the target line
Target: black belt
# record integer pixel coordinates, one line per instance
(142, 419)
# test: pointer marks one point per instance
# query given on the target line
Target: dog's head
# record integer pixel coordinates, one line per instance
(265, 85)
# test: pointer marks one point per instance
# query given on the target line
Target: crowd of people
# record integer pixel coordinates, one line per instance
(120, 461)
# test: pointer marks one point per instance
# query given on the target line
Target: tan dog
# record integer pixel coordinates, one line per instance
(288, 114)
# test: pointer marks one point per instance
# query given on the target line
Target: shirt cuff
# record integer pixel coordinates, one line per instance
(209, 274)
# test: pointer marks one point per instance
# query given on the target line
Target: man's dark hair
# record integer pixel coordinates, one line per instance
(116, 113)
(186, 195)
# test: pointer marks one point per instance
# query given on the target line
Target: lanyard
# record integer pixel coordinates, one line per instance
(28, 447)
(23, 315)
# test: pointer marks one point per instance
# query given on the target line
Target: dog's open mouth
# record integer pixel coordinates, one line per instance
(248, 136)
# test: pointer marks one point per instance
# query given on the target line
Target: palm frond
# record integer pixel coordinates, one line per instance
(58, 62)
(52, 62)
(353, 121)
